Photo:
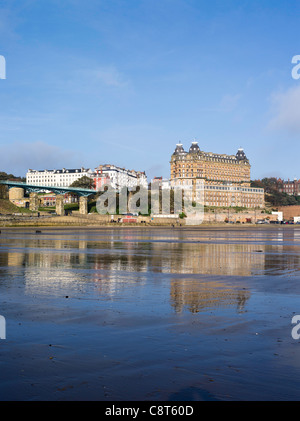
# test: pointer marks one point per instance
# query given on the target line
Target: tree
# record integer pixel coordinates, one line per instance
(3, 192)
(84, 183)
(8, 177)
(5, 176)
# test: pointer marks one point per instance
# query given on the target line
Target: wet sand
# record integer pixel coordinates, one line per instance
(150, 314)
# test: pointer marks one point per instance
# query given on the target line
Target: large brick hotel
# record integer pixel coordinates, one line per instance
(226, 178)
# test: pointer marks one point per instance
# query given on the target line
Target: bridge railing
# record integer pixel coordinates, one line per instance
(54, 189)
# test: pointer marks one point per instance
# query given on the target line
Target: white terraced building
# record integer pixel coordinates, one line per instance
(57, 178)
(119, 177)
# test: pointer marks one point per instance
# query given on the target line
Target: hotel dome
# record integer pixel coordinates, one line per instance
(194, 147)
(179, 149)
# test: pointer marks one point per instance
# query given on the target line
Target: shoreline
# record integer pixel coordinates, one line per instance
(143, 227)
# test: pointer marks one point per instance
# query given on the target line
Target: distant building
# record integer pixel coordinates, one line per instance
(164, 183)
(56, 178)
(121, 177)
(118, 177)
(214, 168)
(291, 187)
(100, 180)
(156, 180)
(226, 178)
(50, 199)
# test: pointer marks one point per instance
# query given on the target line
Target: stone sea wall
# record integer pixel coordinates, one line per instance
(76, 219)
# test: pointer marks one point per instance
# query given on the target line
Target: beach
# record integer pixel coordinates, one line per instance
(150, 314)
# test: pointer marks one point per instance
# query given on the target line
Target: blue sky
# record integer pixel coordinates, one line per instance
(123, 81)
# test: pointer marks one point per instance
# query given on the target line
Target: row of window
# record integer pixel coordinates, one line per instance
(229, 161)
(244, 189)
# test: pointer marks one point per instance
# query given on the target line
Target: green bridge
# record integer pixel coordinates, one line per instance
(59, 191)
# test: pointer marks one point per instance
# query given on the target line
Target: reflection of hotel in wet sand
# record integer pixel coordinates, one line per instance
(215, 259)
(197, 295)
(113, 267)
(212, 259)
(56, 270)
(166, 257)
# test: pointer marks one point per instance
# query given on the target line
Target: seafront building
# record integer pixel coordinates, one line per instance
(121, 177)
(56, 178)
(118, 177)
(290, 187)
(163, 183)
(225, 178)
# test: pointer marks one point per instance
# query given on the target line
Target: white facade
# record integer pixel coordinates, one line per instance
(56, 178)
(120, 177)
(279, 216)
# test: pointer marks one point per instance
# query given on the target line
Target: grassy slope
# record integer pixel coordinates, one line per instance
(7, 207)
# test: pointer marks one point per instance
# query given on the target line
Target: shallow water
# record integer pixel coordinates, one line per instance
(150, 314)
